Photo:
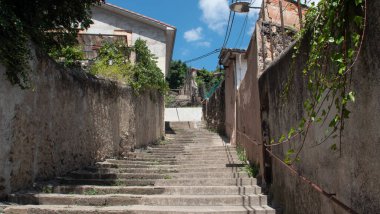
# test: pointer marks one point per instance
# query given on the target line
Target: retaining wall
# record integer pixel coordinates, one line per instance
(68, 120)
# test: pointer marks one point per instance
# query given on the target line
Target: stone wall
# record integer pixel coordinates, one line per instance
(68, 120)
(351, 172)
(214, 111)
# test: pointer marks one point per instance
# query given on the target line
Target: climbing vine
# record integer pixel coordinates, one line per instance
(114, 62)
(335, 30)
(49, 24)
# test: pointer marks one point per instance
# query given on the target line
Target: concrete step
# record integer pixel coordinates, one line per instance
(207, 182)
(181, 157)
(176, 162)
(152, 190)
(184, 155)
(150, 200)
(161, 182)
(138, 209)
(91, 175)
(163, 171)
(107, 182)
(165, 166)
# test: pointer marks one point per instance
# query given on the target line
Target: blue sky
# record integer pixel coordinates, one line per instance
(201, 25)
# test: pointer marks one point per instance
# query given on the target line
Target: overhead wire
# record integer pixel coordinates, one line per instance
(203, 56)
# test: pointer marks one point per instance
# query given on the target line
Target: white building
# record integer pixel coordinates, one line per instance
(112, 22)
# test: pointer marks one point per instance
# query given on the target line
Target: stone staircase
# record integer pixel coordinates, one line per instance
(193, 171)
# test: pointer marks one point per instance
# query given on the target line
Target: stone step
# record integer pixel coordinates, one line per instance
(90, 175)
(163, 171)
(107, 182)
(138, 209)
(164, 166)
(176, 153)
(187, 155)
(207, 182)
(194, 148)
(150, 200)
(175, 162)
(161, 182)
(152, 190)
(182, 157)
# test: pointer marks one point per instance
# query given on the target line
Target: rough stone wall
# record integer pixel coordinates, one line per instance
(214, 110)
(352, 172)
(68, 120)
(274, 42)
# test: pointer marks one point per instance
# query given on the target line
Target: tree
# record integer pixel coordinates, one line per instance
(177, 74)
(49, 24)
(208, 79)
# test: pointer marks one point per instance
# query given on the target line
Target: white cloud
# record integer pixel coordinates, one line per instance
(215, 14)
(193, 34)
(203, 44)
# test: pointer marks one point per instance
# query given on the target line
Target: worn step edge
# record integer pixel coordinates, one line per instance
(151, 190)
(128, 199)
(137, 209)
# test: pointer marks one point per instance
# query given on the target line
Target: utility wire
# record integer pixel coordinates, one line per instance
(203, 56)
(244, 26)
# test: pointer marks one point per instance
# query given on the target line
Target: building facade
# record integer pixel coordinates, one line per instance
(115, 23)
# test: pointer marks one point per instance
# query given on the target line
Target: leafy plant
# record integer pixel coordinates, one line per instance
(241, 154)
(49, 24)
(47, 189)
(251, 169)
(69, 55)
(91, 192)
(146, 73)
(335, 31)
(114, 62)
(176, 74)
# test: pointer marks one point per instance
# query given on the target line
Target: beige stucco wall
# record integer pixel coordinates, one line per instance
(230, 91)
(105, 22)
(68, 120)
(248, 118)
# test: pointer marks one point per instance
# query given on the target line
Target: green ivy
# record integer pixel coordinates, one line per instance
(114, 62)
(69, 55)
(49, 24)
(335, 29)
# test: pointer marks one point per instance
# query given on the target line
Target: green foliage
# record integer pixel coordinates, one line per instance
(146, 74)
(91, 192)
(335, 29)
(176, 74)
(47, 189)
(208, 79)
(241, 154)
(69, 55)
(49, 24)
(113, 62)
(251, 169)
(167, 177)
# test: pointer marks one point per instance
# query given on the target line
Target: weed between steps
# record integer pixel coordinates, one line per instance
(251, 169)
(47, 189)
(91, 192)
(167, 177)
